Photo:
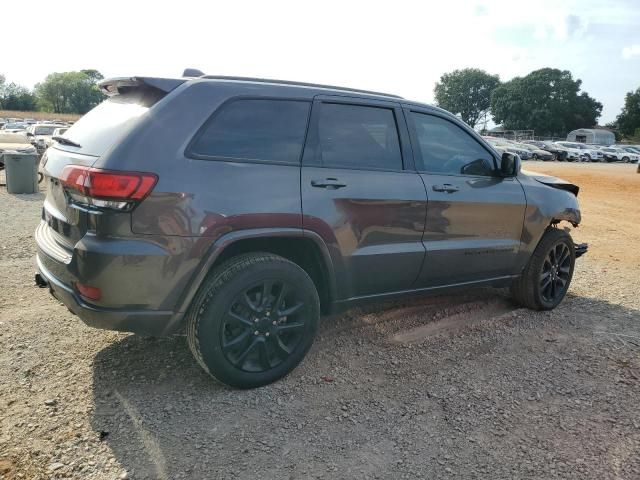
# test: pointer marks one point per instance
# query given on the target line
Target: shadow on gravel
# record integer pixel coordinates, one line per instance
(466, 400)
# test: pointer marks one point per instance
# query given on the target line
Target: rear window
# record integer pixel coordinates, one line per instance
(256, 130)
(108, 122)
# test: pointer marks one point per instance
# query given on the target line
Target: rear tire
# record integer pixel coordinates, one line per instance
(546, 278)
(253, 320)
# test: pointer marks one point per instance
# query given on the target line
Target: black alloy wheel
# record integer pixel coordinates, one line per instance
(556, 273)
(263, 326)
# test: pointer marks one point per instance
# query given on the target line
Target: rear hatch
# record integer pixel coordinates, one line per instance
(83, 145)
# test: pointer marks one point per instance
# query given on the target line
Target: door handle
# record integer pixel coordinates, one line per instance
(445, 187)
(330, 183)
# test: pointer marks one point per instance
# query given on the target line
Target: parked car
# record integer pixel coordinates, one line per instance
(58, 132)
(560, 152)
(632, 150)
(40, 135)
(239, 210)
(13, 127)
(587, 153)
(573, 154)
(508, 146)
(617, 154)
(536, 152)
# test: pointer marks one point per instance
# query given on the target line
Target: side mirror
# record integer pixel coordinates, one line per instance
(509, 165)
(29, 134)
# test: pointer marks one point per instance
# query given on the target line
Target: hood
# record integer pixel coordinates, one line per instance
(554, 182)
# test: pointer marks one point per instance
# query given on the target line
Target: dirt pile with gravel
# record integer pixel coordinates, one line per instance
(461, 386)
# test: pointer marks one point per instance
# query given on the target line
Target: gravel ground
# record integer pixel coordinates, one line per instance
(464, 386)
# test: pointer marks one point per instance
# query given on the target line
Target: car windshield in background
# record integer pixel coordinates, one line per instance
(44, 130)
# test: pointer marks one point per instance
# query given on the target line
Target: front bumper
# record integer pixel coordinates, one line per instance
(144, 322)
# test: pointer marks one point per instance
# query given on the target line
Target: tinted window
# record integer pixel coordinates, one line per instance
(443, 147)
(267, 130)
(353, 136)
(103, 126)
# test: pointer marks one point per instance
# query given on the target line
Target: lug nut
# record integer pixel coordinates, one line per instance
(266, 334)
(256, 332)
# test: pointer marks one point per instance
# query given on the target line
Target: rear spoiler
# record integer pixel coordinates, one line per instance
(116, 86)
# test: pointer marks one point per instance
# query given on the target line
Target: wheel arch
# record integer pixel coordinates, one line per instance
(305, 249)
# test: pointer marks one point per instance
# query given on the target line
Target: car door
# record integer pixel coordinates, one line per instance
(362, 195)
(474, 216)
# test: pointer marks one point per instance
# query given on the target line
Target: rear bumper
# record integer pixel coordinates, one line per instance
(144, 322)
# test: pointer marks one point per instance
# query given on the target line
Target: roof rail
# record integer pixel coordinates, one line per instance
(298, 84)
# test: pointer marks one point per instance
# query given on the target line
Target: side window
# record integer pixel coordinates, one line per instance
(352, 136)
(255, 129)
(444, 147)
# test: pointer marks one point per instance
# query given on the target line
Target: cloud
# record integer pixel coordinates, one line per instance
(574, 25)
(631, 51)
(480, 11)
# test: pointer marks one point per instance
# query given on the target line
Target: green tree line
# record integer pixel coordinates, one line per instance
(66, 92)
(547, 100)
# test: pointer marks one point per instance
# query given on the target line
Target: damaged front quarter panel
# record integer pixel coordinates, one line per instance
(550, 200)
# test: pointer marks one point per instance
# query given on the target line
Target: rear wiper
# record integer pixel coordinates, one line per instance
(66, 141)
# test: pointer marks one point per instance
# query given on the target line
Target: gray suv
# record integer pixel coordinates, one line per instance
(240, 210)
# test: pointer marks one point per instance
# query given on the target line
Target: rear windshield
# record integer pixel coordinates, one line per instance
(108, 122)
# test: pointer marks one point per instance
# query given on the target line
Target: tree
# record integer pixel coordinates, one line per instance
(70, 92)
(629, 119)
(466, 93)
(547, 101)
(15, 97)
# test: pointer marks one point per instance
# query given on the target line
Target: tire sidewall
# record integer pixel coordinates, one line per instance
(545, 305)
(214, 308)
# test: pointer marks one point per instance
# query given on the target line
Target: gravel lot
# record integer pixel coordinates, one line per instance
(464, 386)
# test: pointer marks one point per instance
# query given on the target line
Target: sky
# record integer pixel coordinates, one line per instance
(398, 46)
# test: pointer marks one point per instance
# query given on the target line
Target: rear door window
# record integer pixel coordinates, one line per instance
(256, 130)
(358, 137)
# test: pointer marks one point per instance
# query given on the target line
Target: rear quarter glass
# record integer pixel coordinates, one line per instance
(99, 129)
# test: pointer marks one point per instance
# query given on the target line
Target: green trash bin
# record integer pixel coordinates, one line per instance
(21, 172)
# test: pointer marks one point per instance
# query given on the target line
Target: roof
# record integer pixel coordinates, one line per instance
(296, 84)
(592, 130)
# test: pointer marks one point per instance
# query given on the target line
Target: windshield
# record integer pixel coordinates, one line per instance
(43, 130)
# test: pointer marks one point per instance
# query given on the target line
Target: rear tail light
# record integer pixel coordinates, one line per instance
(109, 189)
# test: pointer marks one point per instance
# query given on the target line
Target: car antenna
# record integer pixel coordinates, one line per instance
(192, 72)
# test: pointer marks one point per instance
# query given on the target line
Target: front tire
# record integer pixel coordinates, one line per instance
(546, 278)
(253, 320)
